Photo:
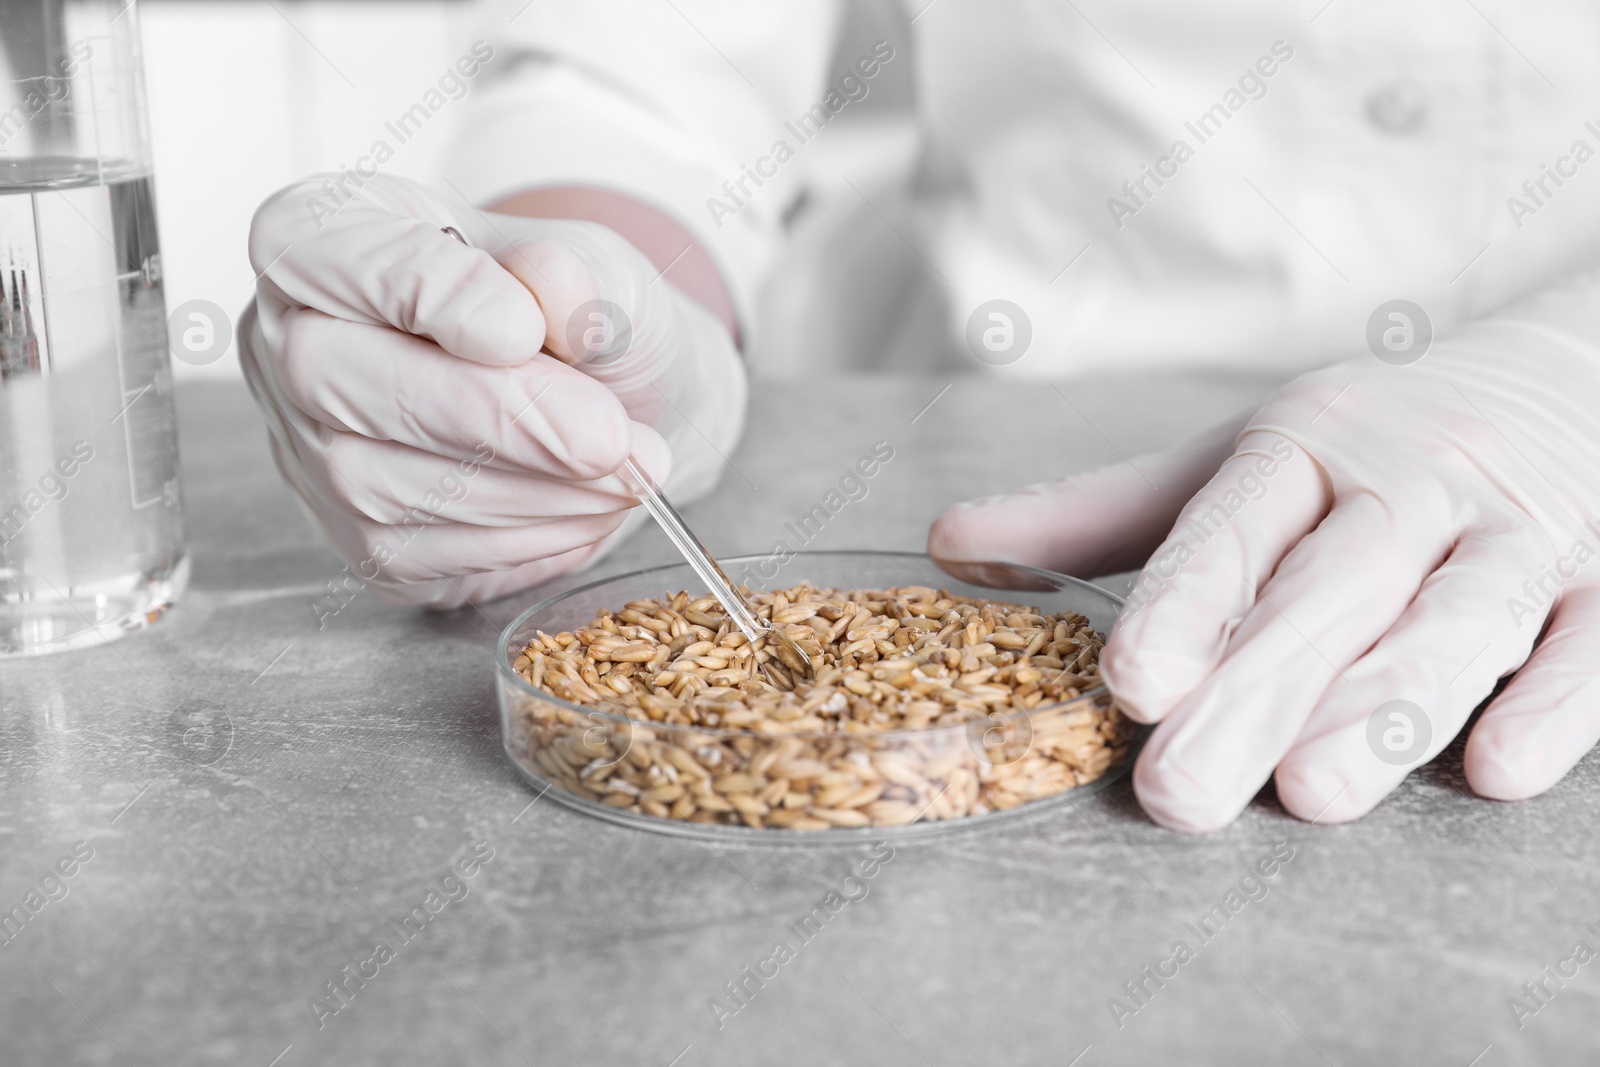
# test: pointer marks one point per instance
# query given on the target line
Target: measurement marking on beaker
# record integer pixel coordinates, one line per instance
(47, 359)
(130, 403)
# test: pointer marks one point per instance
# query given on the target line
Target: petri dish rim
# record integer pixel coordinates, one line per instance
(506, 650)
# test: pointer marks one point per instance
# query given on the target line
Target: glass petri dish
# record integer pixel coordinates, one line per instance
(933, 780)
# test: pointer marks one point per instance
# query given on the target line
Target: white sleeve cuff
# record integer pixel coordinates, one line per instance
(555, 126)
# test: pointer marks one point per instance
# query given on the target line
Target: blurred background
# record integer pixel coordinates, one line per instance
(248, 95)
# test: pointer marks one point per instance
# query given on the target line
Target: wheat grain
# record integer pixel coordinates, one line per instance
(925, 705)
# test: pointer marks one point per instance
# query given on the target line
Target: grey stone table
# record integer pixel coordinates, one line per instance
(261, 797)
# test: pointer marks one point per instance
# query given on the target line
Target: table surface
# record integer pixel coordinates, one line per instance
(350, 764)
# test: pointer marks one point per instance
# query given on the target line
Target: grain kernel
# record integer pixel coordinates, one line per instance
(886, 660)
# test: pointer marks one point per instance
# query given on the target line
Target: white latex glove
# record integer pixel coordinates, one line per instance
(1419, 525)
(453, 416)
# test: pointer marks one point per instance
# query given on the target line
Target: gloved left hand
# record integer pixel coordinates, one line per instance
(1353, 577)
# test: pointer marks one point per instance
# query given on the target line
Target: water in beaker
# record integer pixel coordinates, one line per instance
(91, 531)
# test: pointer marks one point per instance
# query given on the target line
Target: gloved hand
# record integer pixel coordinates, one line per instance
(453, 416)
(1379, 533)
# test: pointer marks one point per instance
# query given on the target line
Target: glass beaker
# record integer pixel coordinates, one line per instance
(91, 531)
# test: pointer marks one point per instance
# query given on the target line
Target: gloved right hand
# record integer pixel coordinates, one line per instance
(452, 415)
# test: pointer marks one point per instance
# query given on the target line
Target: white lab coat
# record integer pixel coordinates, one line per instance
(1384, 157)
